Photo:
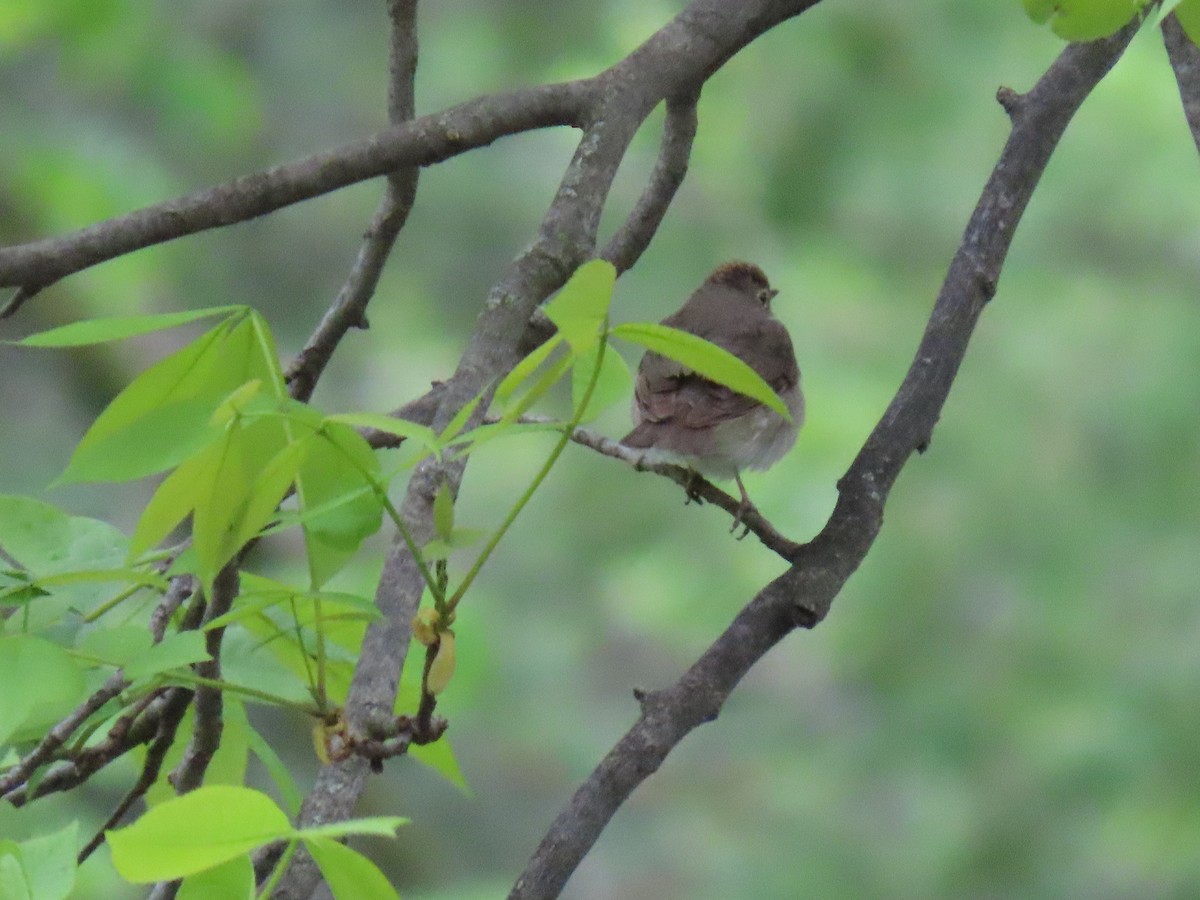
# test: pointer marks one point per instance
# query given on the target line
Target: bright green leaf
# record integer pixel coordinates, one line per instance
(172, 652)
(349, 875)
(196, 831)
(46, 541)
(339, 462)
(13, 883)
(233, 880)
(439, 756)
(550, 377)
(612, 386)
(51, 684)
(423, 435)
(580, 308)
(174, 499)
(526, 367)
(267, 490)
(381, 826)
(1083, 20)
(459, 422)
(443, 511)
(709, 360)
(116, 328)
(48, 863)
(1188, 14)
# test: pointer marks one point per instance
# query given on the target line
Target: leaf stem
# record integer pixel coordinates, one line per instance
(525, 497)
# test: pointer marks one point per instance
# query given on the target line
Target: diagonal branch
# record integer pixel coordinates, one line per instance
(349, 309)
(673, 62)
(679, 131)
(1185, 63)
(802, 595)
(421, 142)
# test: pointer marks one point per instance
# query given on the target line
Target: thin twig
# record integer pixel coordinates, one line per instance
(349, 309)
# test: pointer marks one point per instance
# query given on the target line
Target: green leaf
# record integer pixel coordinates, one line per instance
(704, 357)
(612, 386)
(267, 489)
(439, 756)
(459, 422)
(349, 875)
(526, 367)
(114, 646)
(13, 884)
(423, 435)
(340, 462)
(187, 374)
(538, 389)
(51, 684)
(233, 880)
(174, 499)
(277, 769)
(382, 826)
(173, 652)
(580, 308)
(163, 438)
(46, 541)
(443, 511)
(48, 863)
(116, 328)
(196, 831)
(1083, 20)
(1188, 14)
(485, 433)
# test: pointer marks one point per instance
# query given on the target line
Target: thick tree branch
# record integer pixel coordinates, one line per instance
(673, 62)
(802, 595)
(421, 142)
(1185, 63)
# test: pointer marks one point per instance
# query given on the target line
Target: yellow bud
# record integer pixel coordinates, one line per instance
(424, 625)
(443, 665)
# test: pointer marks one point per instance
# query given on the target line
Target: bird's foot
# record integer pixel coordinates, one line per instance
(692, 488)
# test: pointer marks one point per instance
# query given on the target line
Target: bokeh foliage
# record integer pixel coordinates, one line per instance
(1002, 701)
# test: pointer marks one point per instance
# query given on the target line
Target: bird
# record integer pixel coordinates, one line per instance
(683, 418)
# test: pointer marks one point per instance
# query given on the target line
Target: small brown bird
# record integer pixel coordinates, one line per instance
(683, 418)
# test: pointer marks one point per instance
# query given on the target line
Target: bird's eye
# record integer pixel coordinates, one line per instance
(765, 295)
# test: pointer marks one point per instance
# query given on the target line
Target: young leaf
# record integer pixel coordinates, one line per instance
(233, 880)
(443, 511)
(526, 367)
(338, 462)
(187, 374)
(43, 683)
(612, 385)
(196, 831)
(46, 869)
(116, 328)
(348, 874)
(439, 756)
(580, 308)
(1188, 14)
(423, 435)
(704, 357)
(459, 422)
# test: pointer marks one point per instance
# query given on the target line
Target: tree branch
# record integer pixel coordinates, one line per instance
(349, 309)
(1185, 63)
(802, 595)
(671, 63)
(421, 142)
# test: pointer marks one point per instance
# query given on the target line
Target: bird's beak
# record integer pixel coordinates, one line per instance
(767, 296)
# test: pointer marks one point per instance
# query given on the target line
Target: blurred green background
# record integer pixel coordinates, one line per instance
(1002, 703)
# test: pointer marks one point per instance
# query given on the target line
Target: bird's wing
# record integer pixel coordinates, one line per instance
(666, 391)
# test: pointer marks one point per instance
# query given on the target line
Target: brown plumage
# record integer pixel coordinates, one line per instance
(684, 418)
